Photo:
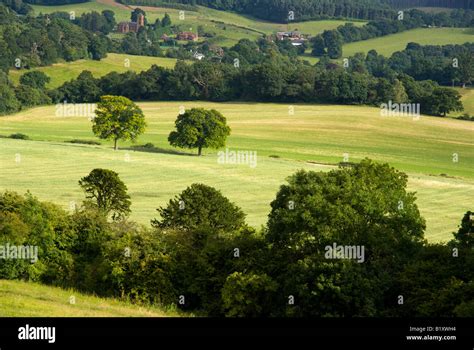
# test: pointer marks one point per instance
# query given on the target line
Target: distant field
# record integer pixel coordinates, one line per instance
(228, 27)
(26, 299)
(314, 138)
(467, 101)
(389, 44)
(62, 72)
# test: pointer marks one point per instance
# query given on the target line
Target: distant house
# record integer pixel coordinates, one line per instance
(198, 56)
(165, 37)
(294, 35)
(126, 27)
(187, 36)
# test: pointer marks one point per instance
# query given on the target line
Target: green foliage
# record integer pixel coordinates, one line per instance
(465, 234)
(106, 192)
(8, 101)
(35, 79)
(222, 268)
(24, 221)
(139, 266)
(98, 22)
(366, 206)
(19, 136)
(442, 101)
(29, 96)
(248, 295)
(118, 118)
(200, 128)
(201, 207)
(437, 282)
(333, 42)
(135, 13)
(85, 142)
(83, 89)
(319, 47)
(347, 205)
(92, 231)
(166, 21)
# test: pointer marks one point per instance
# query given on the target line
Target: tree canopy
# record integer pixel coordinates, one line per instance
(200, 128)
(118, 118)
(105, 191)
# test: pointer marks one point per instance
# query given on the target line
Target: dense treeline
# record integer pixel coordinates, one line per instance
(465, 4)
(189, 6)
(27, 42)
(204, 258)
(330, 41)
(264, 71)
(279, 11)
(447, 64)
(18, 6)
(55, 2)
(262, 74)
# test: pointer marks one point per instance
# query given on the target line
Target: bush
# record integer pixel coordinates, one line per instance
(84, 142)
(19, 136)
(24, 221)
(248, 295)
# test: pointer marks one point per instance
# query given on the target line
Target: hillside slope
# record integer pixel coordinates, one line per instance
(26, 299)
(312, 138)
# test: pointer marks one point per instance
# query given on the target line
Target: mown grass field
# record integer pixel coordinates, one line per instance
(389, 44)
(26, 299)
(65, 71)
(313, 138)
(228, 27)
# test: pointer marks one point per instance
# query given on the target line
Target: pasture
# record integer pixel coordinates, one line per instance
(65, 71)
(389, 44)
(315, 137)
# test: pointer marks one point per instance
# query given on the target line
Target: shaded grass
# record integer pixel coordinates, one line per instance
(27, 299)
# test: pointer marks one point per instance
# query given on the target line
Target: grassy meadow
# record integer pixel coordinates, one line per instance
(27, 299)
(65, 71)
(315, 137)
(389, 44)
(467, 98)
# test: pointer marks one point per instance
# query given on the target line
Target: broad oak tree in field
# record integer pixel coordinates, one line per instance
(200, 128)
(107, 193)
(118, 118)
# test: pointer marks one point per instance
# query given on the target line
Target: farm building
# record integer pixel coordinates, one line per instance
(188, 36)
(294, 35)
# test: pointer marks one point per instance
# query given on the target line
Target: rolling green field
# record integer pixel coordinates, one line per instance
(27, 299)
(65, 71)
(389, 44)
(467, 98)
(228, 27)
(315, 137)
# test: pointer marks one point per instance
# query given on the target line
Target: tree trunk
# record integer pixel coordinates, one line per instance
(115, 144)
(199, 150)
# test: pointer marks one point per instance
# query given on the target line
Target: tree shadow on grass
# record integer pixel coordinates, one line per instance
(153, 149)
